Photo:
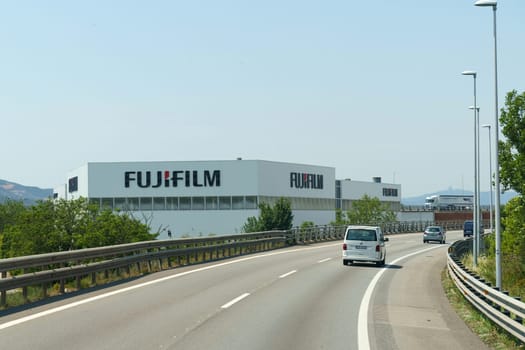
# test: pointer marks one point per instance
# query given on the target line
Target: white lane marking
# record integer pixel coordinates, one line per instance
(288, 274)
(123, 290)
(324, 260)
(236, 300)
(363, 342)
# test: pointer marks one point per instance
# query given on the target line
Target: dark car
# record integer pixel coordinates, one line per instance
(434, 233)
(468, 228)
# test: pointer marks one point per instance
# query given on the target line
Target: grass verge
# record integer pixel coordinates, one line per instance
(490, 334)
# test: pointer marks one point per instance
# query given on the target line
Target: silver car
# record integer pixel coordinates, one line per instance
(434, 233)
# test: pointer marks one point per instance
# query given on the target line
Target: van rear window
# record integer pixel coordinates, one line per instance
(361, 235)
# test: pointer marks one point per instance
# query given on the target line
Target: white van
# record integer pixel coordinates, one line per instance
(364, 243)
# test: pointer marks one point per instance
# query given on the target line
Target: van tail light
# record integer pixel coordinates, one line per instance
(344, 246)
(378, 248)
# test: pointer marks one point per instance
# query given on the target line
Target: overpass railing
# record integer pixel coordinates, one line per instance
(498, 306)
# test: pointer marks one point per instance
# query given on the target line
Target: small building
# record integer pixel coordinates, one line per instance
(216, 197)
(348, 191)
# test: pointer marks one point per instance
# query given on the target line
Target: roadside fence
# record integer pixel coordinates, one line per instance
(506, 311)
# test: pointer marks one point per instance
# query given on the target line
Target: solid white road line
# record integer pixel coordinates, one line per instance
(288, 274)
(236, 300)
(363, 342)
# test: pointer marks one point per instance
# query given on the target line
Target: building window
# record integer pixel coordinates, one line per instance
(185, 203)
(389, 192)
(172, 203)
(197, 203)
(146, 203)
(159, 203)
(251, 202)
(238, 202)
(73, 184)
(133, 203)
(225, 202)
(212, 203)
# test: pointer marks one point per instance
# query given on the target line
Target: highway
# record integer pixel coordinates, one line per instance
(296, 298)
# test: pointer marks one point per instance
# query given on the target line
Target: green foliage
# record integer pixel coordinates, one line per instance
(252, 225)
(10, 211)
(278, 217)
(307, 224)
(340, 219)
(512, 150)
(51, 226)
(512, 175)
(370, 211)
(513, 238)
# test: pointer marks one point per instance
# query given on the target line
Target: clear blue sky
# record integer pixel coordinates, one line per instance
(372, 88)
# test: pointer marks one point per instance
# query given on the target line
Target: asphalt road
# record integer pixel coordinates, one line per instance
(295, 298)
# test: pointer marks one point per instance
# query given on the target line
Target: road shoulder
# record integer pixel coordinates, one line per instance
(410, 309)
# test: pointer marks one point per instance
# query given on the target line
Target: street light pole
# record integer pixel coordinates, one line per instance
(490, 177)
(477, 152)
(475, 215)
(497, 217)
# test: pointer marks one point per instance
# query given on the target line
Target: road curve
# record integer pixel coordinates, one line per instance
(299, 297)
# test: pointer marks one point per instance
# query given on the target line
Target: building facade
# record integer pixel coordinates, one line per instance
(211, 197)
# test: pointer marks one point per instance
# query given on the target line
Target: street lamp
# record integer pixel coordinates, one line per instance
(475, 215)
(490, 177)
(497, 204)
(479, 216)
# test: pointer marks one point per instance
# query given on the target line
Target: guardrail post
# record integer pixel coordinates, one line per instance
(3, 296)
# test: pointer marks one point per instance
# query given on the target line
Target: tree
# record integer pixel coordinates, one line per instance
(10, 212)
(340, 218)
(57, 225)
(370, 211)
(512, 176)
(512, 150)
(278, 217)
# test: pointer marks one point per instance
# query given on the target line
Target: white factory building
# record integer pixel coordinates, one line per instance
(217, 197)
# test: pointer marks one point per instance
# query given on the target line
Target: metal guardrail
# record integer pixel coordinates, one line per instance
(498, 306)
(63, 267)
(329, 232)
(71, 266)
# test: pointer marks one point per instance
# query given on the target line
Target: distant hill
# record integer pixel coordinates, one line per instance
(27, 194)
(484, 197)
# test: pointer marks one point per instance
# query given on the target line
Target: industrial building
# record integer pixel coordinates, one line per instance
(217, 197)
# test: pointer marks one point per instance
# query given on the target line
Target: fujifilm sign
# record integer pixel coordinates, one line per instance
(173, 178)
(304, 180)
